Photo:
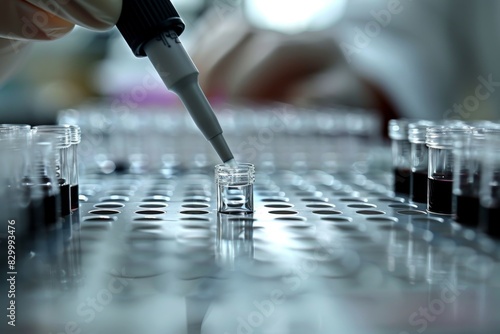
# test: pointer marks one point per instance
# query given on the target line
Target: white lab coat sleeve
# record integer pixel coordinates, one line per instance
(407, 48)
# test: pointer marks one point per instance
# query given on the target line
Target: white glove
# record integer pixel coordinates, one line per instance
(24, 20)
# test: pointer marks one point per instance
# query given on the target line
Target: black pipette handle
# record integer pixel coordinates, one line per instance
(142, 20)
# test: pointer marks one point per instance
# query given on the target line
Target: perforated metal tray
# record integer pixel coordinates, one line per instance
(329, 248)
(316, 239)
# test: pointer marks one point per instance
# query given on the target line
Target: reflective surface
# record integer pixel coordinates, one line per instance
(329, 249)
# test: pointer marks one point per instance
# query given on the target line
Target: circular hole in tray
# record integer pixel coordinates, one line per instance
(109, 205)
(348, 228)
(412, 213)
(146, 225)
(95, 226)
(159, 193)
(337, 219)
(195, 205)
(403, 206)
(327, 212)
(391, 199)
(150, 212)
(152, 205)
(370, 212)
(197, 199)
(120, 193)
(198, 219)
(352, 199)
(309, 193)
(104, 212)
(278, 206)
(114, 198)
(320, 206)
(362, 206)
(271, 193)
(98, 219)
(275, 199)
(195, 212)
(283, 212)
(294, 218)
(428, 220)
(341, 193)
(156, 199)
(383, 219)
(299, 226)
(147, 219)
(314, 199)
(374, 192)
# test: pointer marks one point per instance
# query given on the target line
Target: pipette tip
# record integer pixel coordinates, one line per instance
(231, 163)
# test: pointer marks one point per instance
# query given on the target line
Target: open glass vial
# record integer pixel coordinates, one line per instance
(235, 188)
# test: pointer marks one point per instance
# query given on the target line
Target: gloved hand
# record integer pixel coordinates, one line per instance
(24, 20)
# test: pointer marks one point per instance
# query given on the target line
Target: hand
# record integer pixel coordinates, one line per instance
(24, 20)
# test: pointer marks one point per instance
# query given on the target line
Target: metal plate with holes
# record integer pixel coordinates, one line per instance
(342, 242)
(329, 248)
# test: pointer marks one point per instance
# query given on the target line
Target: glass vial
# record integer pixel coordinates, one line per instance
(489, 195)
(235, 188)
(76, 137)
(45, 205)
(398, 132)
(439, 140)
(467, 152)
(419, 160)
(62, 137)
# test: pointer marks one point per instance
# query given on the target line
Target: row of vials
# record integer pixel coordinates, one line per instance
(452, 166)
(39, 179)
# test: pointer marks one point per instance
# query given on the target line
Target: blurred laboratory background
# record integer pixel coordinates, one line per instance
(88, 65)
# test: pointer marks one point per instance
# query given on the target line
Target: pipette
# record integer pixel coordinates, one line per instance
(152, 28)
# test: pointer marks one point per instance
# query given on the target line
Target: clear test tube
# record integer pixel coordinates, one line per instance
(440, 141)
(13, 130)
(398, 132)
(76, 137)
(20, 133)
(13, 197)
(45, 205)
(62, 138)
(489, 195)
(467, 152)
(235, 188)
(419, 160)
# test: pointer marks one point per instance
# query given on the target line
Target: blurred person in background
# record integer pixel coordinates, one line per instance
(419, 59)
